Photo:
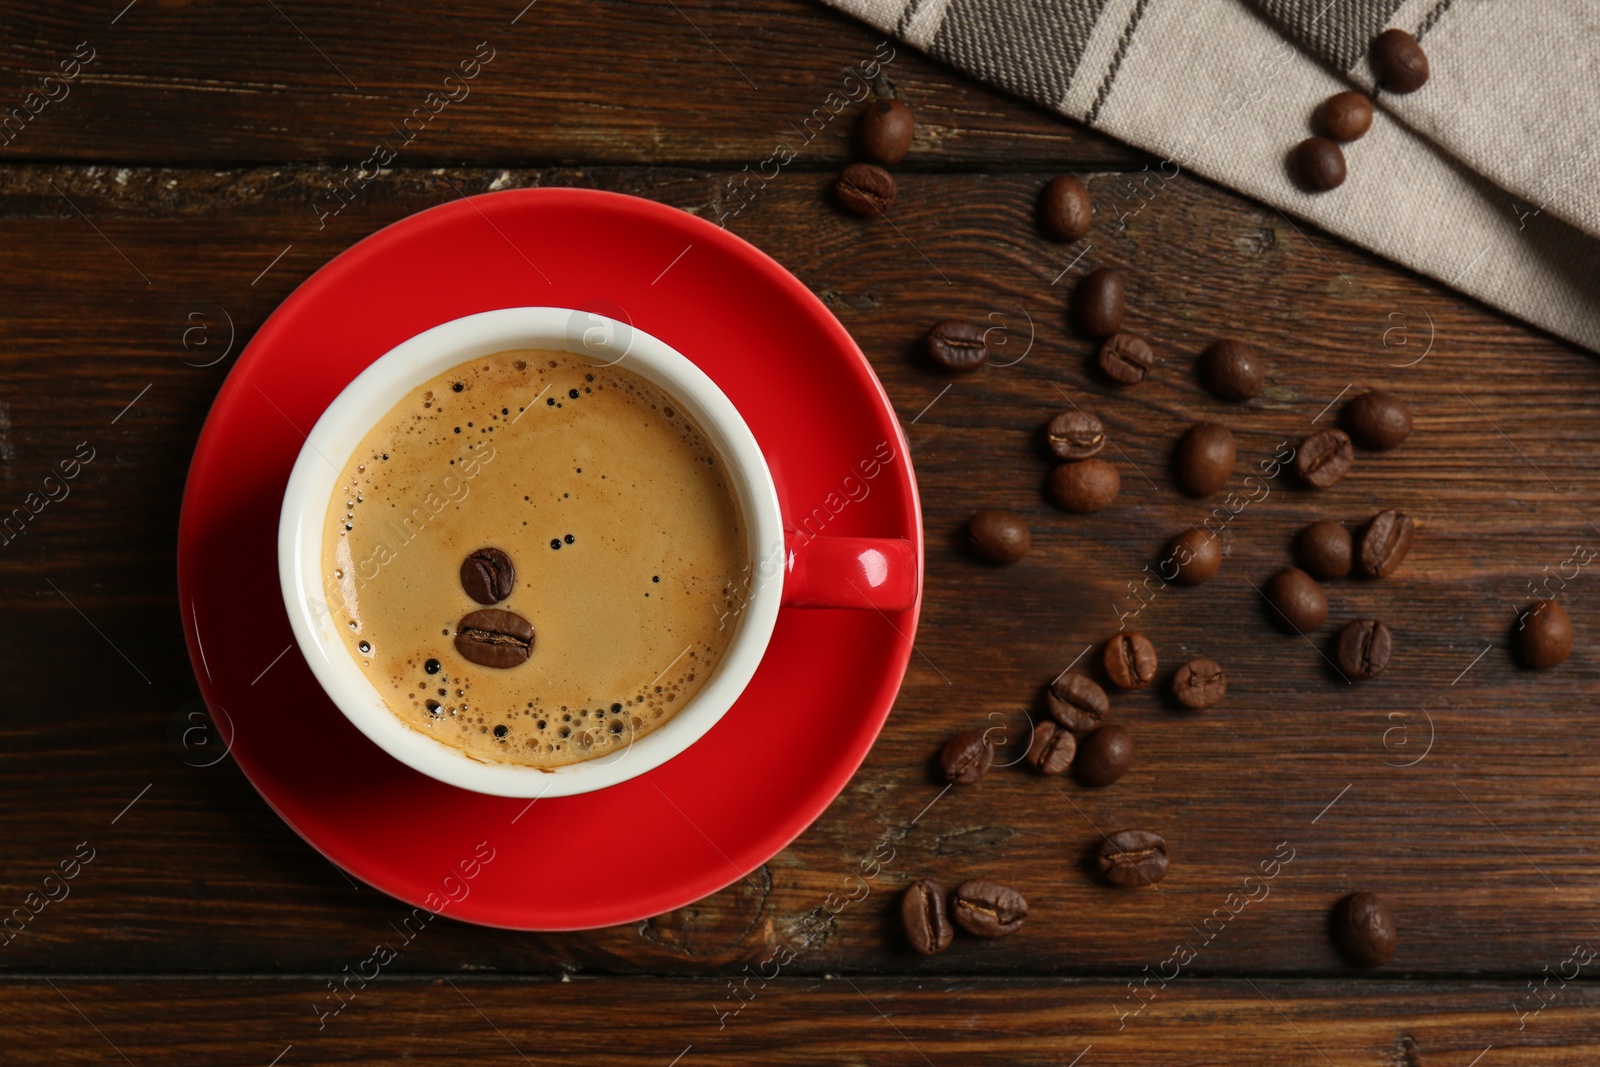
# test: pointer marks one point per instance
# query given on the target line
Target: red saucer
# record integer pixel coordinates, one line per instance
(693, 825)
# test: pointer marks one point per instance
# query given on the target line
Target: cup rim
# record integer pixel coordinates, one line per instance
(375, 391)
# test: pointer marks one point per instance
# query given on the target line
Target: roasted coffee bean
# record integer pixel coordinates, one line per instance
(1064, 209)
(1204, 458)
(1378, 420)
(1299, 604)
(1324, 549)
(1051, 749)
(1324, 458)
(1075, 434)
(883, 132)
(494, 638)
(1233, 370)
(987, 909)
(1104, 756)
(1100, 303)
(1130, 661)
(865, 189)
(1200, 683)
(1385, 543)
(1084, 485)
(1363, 649)
(923, 915)
(1366, 933)
(1132, 858)
(1126, 358)
(1344, 116)
(1192, 557)
(999, 536)
(1546, 634)
(966, 757)
(1398, 61)
(1317, 165)
(957, 345)
(488, 576)
(1077, 702)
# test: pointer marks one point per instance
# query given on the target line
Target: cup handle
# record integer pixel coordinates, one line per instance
(849, 572)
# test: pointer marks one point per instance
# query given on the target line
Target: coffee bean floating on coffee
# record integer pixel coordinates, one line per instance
(494, 638)
(1378, 420)
(1084, 486)
(1204, 458)
(966, 757)
(1130, 661)
(1075, 434)
(1077, 703)
(865, 189)
(1132, 858)
(1192, 557)
(1325, 549)
(487, 576)
(1104, 756)
(1324, 458)
(1099, 303)
(1385, 543)
(1064, 209)
(1298, 603)
(1232, 370)
(958, 346)
(1200, 683)
(1364, 930)
(999, 536)
(1363, 649)
(1126, 358)
(988, 909)
(1398, 61)
(923, 915)
(1316, 165)
(1051, 749)
(1343, 116)
(1545, 634)
(883, 132)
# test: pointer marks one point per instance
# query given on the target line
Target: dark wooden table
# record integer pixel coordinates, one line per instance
(183, 174)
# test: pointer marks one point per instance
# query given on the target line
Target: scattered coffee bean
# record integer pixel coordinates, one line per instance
(883, 132)
(1324, 549)
(1084, 486)
(1075, 434)
(1398, 61)
(966, 757)
(1192, 557)
(1126, 358)
(1200, 683)
(1130, 661)
(1365, 931)
(1385, 543)
(1233, 370)
(1077, 702)
(1299, 603)
(1378, 420)
(1344, 116)
(865, 189)
(1051, 749)
(1100, 303)
(494, 638)
(488, 576)
(1363, 649)
(923, 915)
(1204, 458)
(1317, 165)
(1324, 458)
(999, 536)
(1064, 209)
(1132, 858)
(988, 909)
(1104, 756)
(1546, 634)
(957, 345)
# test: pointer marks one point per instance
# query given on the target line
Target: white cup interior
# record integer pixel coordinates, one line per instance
(374, 392)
